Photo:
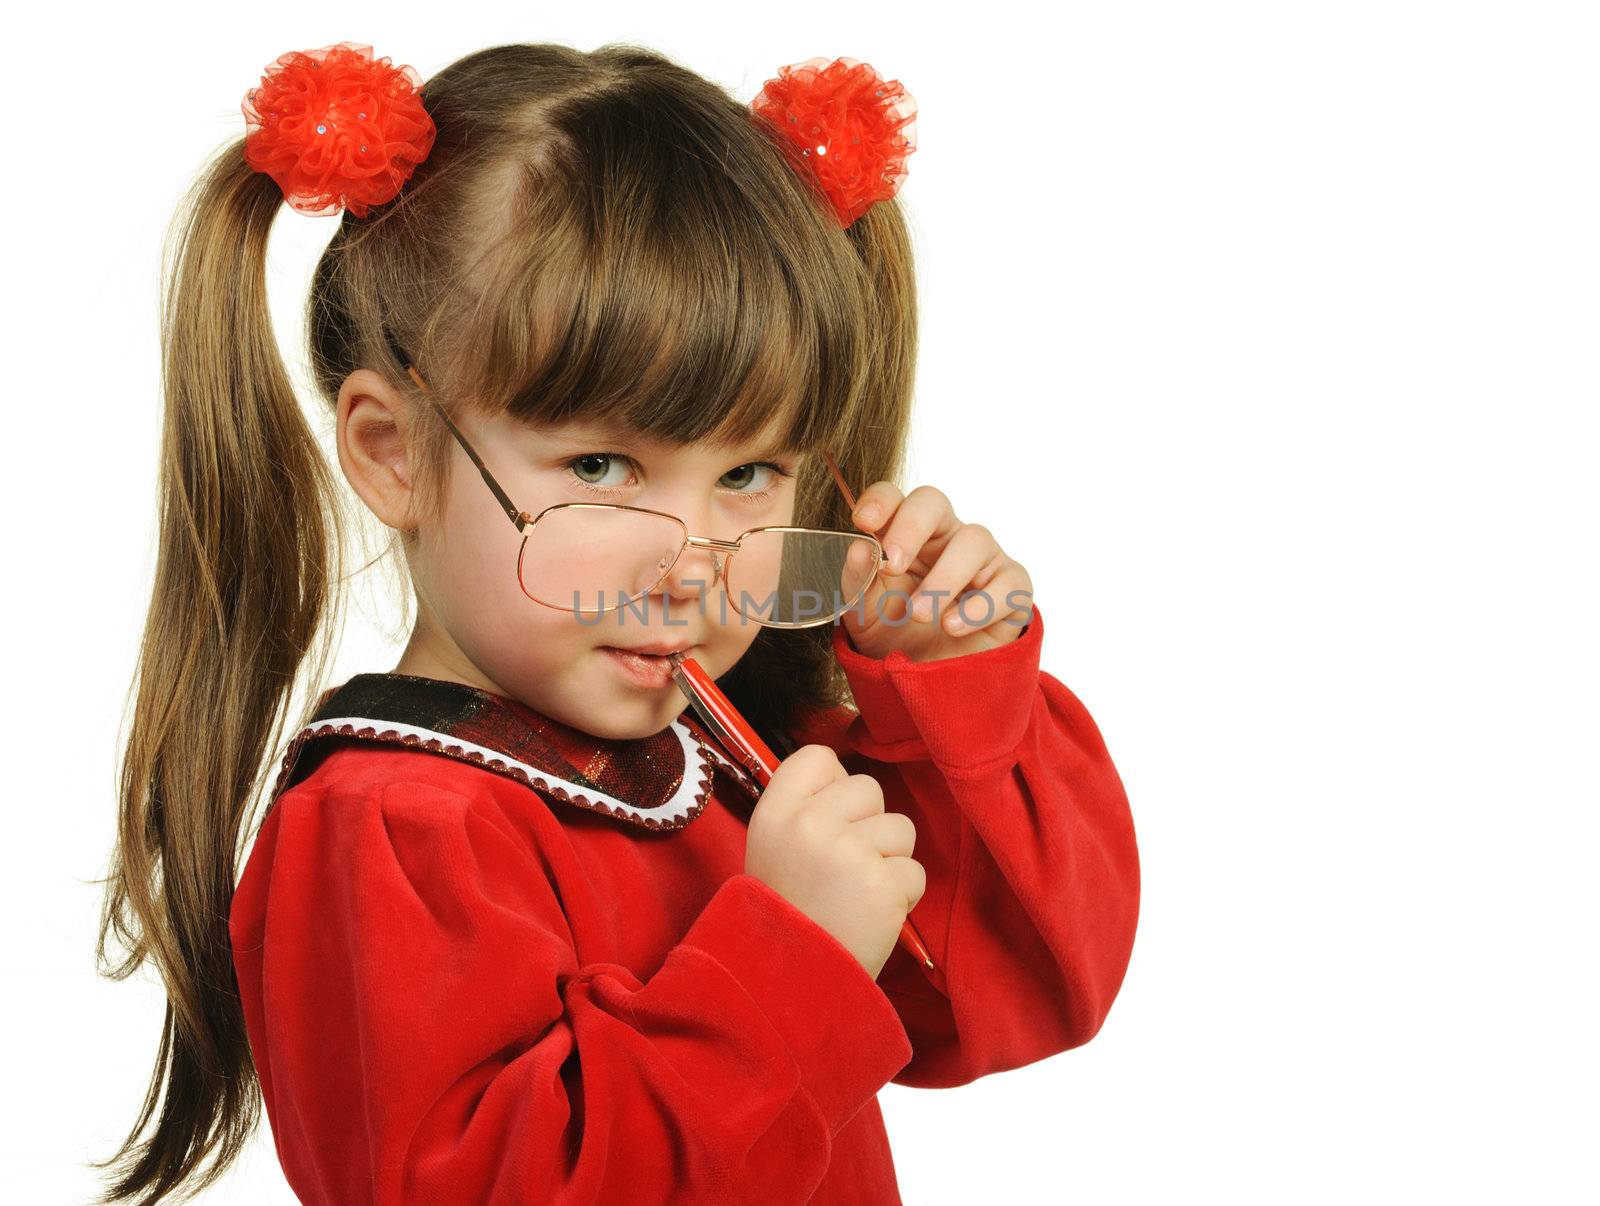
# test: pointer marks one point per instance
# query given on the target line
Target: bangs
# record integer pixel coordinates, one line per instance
(663, 266)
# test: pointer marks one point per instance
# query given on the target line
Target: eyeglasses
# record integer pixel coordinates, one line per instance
(576, 556)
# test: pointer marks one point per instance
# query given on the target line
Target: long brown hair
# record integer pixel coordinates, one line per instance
(603, 234)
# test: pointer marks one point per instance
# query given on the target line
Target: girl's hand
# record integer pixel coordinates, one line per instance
(820, 838)
(931, 551)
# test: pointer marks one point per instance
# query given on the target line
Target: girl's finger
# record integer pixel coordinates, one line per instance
(969, 558)
(924, 518)
(888, 832)
(874, 607)
(1006, 601)
(875, 506)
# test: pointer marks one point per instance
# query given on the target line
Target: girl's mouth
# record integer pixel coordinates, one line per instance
(642, 669)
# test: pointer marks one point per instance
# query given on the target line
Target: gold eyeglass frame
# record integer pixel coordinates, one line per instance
(524, 523)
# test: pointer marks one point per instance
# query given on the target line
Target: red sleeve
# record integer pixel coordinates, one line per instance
(1024, 831)
(425, 1032)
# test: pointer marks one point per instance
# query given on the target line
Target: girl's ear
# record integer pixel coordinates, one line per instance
(373, 421)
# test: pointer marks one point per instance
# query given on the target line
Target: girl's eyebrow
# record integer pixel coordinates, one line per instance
(590, 432)
(598, 435)
(773, 454)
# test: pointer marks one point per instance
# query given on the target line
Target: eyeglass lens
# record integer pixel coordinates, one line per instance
(591, 559)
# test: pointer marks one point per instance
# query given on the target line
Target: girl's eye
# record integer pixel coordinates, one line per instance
(597, 471)
(583, 465)
(741, 478)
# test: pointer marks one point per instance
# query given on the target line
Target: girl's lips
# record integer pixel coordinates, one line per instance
(643, 669)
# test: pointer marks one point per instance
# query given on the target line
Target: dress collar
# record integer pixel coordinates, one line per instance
(658, 782)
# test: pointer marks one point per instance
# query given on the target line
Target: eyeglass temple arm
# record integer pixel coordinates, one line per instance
(844, 488)
(510, 508)
(849, 498)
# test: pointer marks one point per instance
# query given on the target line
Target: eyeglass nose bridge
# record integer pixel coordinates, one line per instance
(708, 542)
(719, 564)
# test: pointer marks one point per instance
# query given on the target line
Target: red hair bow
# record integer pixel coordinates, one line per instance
(850, 128)
(336, 128)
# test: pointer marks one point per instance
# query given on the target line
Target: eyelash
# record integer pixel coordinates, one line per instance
(779, 473)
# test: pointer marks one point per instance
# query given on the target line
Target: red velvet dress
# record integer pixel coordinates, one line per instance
(485, 958)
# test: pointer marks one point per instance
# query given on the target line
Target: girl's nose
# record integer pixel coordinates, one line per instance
(695, 574)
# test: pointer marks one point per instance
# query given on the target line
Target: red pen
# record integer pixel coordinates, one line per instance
(723, 719)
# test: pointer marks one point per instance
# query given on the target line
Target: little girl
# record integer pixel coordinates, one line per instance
(515, 927)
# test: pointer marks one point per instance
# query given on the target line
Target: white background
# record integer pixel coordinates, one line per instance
(1263, 334)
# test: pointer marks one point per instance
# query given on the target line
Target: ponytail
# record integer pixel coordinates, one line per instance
(249, 540)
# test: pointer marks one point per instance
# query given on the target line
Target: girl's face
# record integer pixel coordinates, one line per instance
(474, 623)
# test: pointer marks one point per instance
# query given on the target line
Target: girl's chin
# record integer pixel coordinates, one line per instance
(621, 711)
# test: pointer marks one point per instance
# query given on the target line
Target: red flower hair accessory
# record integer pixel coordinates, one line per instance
(336, 128)
(851, 128)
